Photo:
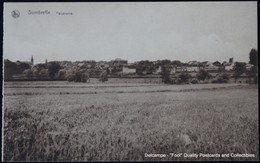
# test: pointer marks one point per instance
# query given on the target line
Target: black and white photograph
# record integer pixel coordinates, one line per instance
(130, 81)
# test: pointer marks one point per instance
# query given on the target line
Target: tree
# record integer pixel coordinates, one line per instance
(202, 75)
(176, 63)
(251, 72)
(103, 77)
(21, 67)
(28, 73)
(9, 69)
(146, 67)
(108, 71)
(61, 74)
(165, 75)
(184, 78)
(221, 78)
(78, 76)
(43, 73)
(253, 59)
(217, 63)
(239, 69)
(53, 68)
(85, 77)
(224, 76)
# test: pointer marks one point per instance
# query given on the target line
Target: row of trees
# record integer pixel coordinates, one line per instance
(202, 77)
(85, 77)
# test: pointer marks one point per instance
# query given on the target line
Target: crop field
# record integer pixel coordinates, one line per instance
(60, 121)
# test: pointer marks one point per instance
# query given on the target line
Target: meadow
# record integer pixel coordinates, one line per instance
(46, 121)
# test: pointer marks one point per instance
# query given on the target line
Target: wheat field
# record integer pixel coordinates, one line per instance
(104, 122)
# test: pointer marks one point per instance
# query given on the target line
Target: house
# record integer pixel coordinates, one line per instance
(173, 70)
(229, 66)
(193, 68)
(205, 63)
(170, 68)
(211, 67)
(193, 63)
(158, 70)
(181, 68)
(129, 69)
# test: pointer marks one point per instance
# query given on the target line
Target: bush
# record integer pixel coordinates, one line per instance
(219, 79)
(214, 81)
(178, 81)
(173, 82)
(225, 76)
(71, 78)
(194, 81)
(184, 78)
(225, 80)
(103, 77)
(53, 68)
(78, 77)
(203, 75)
(166, 75)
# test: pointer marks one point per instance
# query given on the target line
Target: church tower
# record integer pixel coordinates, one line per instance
(32, 60)
(231, 60)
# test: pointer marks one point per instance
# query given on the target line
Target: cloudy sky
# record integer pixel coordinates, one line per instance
(185, 31)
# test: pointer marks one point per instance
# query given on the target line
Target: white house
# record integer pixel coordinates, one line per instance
(193, 68)
(172, 69)
(129, 69)
(229, 66)
(181, 69)
(159, 70)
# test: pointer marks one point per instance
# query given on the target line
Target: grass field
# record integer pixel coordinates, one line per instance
(108, 122)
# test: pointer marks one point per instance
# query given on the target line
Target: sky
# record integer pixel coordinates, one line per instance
(185, 31)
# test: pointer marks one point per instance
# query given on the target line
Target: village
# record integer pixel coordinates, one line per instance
(120, 68)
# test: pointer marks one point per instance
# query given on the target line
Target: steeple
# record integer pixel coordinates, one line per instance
(32, 60)
(231, 60)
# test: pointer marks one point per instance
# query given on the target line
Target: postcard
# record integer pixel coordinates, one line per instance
(130, 81)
